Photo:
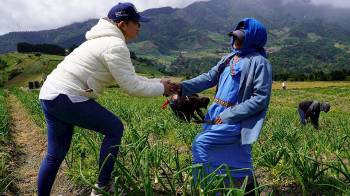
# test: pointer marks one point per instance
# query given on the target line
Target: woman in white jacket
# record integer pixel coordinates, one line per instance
(67, 96)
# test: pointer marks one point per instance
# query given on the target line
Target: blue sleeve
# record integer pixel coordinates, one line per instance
(202, 82)
(261, 91)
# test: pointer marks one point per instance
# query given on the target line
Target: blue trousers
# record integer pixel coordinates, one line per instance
(302, 116)
(61, 117)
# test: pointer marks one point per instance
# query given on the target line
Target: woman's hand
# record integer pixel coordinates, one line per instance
(177, 88)
(170, 88)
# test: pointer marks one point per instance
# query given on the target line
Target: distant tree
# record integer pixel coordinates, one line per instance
(51, 49)
(320, 76)
(337, 75)
(300, 77)
(24, 47)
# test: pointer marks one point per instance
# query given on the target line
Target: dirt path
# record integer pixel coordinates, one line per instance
(30, 147)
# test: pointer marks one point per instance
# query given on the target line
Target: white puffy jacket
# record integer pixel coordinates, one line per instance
(98, 62)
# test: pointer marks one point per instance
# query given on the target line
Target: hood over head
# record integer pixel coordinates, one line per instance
(255, 37)
(104, 28)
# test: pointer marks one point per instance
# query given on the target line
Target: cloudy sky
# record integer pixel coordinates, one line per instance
(29, 15)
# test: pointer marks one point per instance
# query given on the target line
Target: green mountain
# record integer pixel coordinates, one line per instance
(303, 38)
(65, 36)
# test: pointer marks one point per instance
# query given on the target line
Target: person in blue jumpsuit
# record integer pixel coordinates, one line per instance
(244, 80)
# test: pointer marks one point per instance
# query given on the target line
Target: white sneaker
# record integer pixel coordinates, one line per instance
(109, 188)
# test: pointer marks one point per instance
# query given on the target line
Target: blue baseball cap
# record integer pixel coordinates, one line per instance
(124, 12)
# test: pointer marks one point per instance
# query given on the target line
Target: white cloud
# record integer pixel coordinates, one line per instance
(334, 3)
(28, 15)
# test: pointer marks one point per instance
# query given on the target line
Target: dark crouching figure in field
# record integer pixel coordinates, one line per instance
(312, 109)
(186, 107)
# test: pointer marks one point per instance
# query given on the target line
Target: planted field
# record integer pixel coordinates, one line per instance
(155, 155)
(5, 176)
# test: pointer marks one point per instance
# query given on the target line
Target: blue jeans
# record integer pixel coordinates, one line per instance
(302, 116)
(61, 117)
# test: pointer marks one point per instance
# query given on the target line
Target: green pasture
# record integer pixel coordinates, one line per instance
(155, 155)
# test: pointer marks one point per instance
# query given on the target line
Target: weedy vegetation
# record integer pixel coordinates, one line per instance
(5, 175)
(155, 154)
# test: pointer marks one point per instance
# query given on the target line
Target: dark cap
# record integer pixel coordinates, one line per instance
(124, 12)
(238, 34)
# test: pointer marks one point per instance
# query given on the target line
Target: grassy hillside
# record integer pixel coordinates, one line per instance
(21, 68)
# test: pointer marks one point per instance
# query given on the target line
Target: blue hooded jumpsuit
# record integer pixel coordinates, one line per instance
(221, 144)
